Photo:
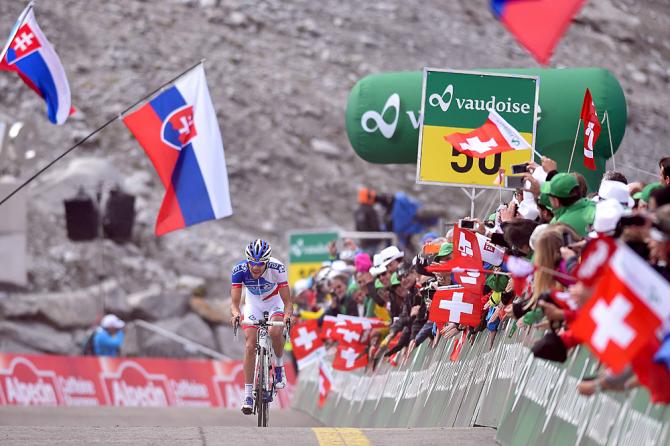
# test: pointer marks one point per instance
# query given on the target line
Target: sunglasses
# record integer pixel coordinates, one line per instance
(251, 263)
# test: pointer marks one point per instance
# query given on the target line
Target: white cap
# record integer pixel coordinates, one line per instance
(377, 265)
(111, 321)
(535, 236)
(300, 285)
(608, 214)
(528, 210)
(387, 255)
(617, 191)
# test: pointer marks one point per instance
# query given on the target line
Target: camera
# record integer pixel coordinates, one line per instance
(466, 224)
(567, 239)
(519, 168)
(512, 182)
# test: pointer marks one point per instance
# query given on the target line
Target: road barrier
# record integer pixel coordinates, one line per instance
(45, 380)
(495, 382)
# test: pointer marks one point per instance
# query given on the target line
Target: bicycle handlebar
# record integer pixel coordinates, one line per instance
(262, 323)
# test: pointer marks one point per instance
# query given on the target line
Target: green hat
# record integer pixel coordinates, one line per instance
(637, 195)
(394, 279)
(543, 200)
(446, 249)
(491, 217)
(562, 185)
(648, 189)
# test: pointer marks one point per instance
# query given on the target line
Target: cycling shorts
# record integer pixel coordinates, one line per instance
(254, 308)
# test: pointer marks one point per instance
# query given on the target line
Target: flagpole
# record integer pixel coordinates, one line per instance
(96, 131)
(17, 25)
(579, 122)
(609, 133)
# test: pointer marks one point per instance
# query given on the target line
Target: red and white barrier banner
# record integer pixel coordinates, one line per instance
(133, 382)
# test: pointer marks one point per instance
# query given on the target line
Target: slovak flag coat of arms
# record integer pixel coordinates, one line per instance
(179, 132)
(33, 58)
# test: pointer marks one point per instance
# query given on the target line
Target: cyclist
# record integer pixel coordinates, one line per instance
(266, 282)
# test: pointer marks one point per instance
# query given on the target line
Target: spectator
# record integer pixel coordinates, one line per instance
(108, 337)
(568, 204)
(664, 170)
(366, 218)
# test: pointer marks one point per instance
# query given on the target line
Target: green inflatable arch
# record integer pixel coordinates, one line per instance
(382, 116)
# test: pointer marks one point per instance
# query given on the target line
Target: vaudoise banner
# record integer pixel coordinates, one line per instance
(132, 382)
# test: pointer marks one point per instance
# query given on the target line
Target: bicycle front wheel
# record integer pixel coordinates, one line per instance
(261, 403)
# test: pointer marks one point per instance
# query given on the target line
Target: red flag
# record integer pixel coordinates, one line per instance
(468, 255)
(521, 269)
(458, 346)
(594, 260)
(455, 304)
(591, 129)
(350, 357)
(495, 136)
(327, 327)
(655, 377)
(538, 25)
(305, 338)
(325, 383)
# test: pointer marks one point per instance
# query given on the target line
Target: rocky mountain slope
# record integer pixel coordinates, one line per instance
(279, 73)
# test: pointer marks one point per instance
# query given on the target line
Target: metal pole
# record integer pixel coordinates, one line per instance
(182, 340)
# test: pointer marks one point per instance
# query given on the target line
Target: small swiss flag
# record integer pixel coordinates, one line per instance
(327, 327)
(350, 357)
(454, 304)
(305, 338)
(495, 136)
(591, 129)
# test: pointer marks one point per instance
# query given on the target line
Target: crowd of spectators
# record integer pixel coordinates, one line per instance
(549, 224)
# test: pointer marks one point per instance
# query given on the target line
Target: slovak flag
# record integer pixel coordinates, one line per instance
(350, 357)
(306, 341)
(325, 382)
(455, 304)
(179, 132)
(591, 129)
(629, 304)
(30, 55)
(495, 136)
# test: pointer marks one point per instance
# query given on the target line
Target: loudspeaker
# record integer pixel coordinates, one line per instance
(119, 216)
(82, 217)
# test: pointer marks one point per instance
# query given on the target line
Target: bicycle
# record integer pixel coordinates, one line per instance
(264, 384)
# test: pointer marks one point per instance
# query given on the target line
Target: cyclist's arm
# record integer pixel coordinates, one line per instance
(236, 298)
(285, 294)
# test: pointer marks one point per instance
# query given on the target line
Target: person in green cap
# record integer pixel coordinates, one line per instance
(569, 206)
(645, 195)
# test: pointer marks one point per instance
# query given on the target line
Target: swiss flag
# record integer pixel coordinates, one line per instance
(520, 269)
(594, 260)
(615, 323)
(325, 383)
(305, 338)
(591, 129)
(349, 333)
(350, 357)
(455, 304)
(495, 136)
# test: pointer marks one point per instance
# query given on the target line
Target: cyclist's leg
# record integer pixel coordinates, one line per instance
(276, 312)
(277, 333)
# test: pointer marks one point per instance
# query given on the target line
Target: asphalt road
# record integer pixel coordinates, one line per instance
(207, 427)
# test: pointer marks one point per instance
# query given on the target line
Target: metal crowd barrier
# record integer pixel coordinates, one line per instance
(498, 384)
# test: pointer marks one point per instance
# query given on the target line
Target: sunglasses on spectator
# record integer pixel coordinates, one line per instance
(251, 263)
